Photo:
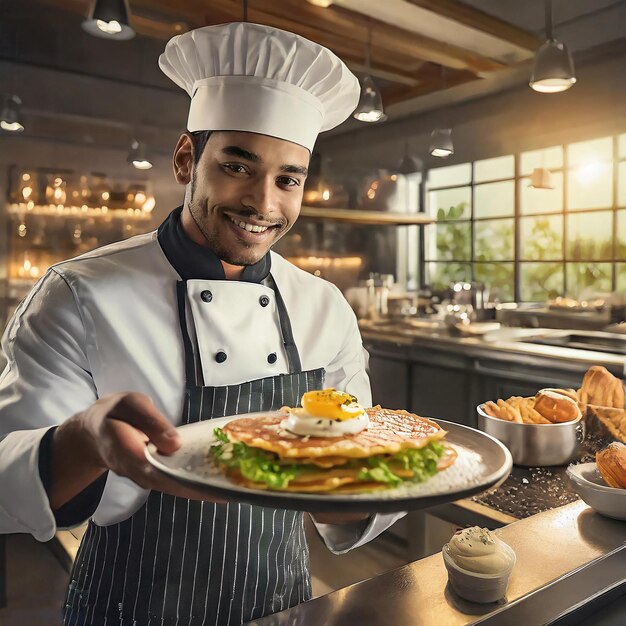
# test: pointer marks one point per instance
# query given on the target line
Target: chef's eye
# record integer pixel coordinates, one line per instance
(288, 181)
(235, 168)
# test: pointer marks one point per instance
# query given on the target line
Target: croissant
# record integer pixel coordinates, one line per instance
(601, 388)
(611, 464)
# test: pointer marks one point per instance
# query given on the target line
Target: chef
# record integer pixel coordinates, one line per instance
(194, 321)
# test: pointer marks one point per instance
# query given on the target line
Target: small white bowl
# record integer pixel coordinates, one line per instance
(590, 486)
(481, 588)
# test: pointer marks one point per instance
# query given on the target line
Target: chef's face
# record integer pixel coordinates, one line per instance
(246, 192)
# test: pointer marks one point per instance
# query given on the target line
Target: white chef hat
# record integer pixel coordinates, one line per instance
(255, 78)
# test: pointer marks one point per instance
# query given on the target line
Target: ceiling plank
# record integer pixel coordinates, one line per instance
(479, 20)
(432, 82)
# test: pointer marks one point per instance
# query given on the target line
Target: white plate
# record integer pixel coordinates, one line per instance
(589, 485)
(482, 462)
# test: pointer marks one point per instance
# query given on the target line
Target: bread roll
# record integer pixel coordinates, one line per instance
(570, 393)
(611, 464)
(556, 407)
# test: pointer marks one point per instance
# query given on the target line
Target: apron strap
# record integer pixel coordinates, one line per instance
(293, 357)
(191, 371)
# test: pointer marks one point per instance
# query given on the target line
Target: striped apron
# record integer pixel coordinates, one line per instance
(188, 563)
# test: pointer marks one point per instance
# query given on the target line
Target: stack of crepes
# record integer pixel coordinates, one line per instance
(385, 449)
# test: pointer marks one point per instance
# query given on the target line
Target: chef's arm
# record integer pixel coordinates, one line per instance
(112, 435)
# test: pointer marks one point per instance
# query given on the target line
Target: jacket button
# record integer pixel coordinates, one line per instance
(220, 357)
(264, 300)
(206, 295)
(272, 358)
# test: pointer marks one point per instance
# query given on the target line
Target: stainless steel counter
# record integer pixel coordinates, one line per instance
(565, 557)
(505, 344)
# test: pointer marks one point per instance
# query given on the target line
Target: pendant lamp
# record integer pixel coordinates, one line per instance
(554, 68)
(370, 107)
(441, 143)
(109, 19)
(441, 138)
(541, 178)
(409, 164)
(139, 156)
(10, 118)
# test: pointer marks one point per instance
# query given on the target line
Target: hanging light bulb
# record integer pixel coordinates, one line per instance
(441, 138)
(321, 3)
(441, 143)
(10, 118)
(109, 19)
(139, 156)
(370, 107)
(409, 164)
(541, 178)
(554, 68)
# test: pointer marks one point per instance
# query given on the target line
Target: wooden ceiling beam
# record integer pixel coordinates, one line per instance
(481, 21)
(396, 93)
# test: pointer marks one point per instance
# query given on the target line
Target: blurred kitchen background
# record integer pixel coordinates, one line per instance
(476, 224)
(530, 207)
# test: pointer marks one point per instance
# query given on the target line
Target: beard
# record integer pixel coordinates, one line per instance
(244, 254)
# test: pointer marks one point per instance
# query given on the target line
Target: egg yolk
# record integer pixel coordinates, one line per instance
(331, 404)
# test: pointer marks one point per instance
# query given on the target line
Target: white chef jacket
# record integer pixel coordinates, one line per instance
(107, 322)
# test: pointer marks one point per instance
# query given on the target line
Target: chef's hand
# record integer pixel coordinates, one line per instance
(112, 435)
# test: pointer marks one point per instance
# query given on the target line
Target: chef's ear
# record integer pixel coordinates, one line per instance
(183, 159)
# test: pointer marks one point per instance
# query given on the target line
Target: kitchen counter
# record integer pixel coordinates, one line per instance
(566, 557)
(505, 344)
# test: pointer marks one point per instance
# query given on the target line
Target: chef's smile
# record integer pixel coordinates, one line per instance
(251, 231)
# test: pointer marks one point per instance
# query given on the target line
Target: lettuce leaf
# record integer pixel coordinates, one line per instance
(266, 467)
(255, 464)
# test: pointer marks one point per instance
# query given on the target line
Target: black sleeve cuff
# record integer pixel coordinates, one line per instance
(81, 506)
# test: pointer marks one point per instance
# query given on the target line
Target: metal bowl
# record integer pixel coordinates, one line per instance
(535, 445)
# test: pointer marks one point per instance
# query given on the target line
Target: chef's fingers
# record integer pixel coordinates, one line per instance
(138, 410)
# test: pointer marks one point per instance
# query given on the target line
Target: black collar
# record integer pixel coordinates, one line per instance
(192, 260)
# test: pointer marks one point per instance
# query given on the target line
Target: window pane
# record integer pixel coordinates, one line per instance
(590, 186)
(493, 240)
(620, 243)
(621, 184)
(586, 279)
(452, 242)
(620, 271)
(450, 175)
(551, 158)
(621, 146)
(541, 238)
(541, 200)
(590, 151)
(494, 199)
(441, 275)
(498, 277)
(493, 169)
(540, 281)
(450, 204)
(589, 236)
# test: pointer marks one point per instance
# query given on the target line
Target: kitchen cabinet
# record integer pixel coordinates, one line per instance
(443, 392)
(504, 379)
(389, 375)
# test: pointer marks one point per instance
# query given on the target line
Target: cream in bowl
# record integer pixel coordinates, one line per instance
(479, 564)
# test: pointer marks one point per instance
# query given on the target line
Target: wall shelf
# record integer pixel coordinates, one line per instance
(356, 216)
